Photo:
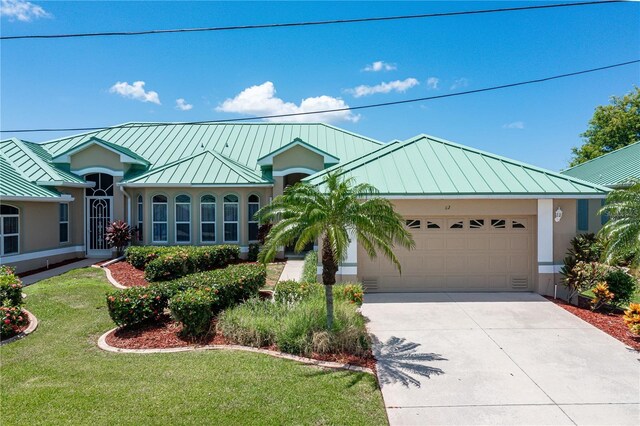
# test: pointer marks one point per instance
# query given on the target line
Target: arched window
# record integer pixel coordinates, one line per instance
(159, 210)
(9, 230)
(140, 217)
(230, 219)
(183, 218)
(252, 207)
(103, 185)
(208, 219)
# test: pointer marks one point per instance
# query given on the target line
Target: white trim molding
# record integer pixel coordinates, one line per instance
(98, 169)
(61, 199)
(193, 185)
(549, 269)
(545, 232)
(43, 253)
(291, 170)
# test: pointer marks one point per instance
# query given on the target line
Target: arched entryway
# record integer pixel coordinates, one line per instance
(99, 213)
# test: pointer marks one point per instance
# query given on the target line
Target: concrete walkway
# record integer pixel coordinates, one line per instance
(498, 358)
(292, 270)
(32, 279)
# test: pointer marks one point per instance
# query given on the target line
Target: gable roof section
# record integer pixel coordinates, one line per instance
(244, 143)
(33, 164)
(268, 159)
(614, 169)
(207, 168)
(14, 186)
(126, 155)
(425, 166)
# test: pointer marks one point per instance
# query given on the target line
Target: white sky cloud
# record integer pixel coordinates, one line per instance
(433, 82)
(22, 10)
(515, 125)
(261, 100)
(380, 66)
(182, 105)
(459, 83)
(392, 86)
(135, 91)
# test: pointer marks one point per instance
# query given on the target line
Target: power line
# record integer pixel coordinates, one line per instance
(305, 24)
(326, 111)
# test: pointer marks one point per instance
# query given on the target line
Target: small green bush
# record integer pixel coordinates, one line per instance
(184, 260)
(254, 250)
(10, 287)
(351, 292)
(622, 285)
(291, 291)
(135, 305)
(310, 269)
(139, 256)
(193, 308)
(13, 317)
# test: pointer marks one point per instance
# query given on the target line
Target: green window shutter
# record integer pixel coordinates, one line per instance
(604, 218)
(583, 215)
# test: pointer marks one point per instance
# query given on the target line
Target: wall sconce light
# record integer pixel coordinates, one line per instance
(558, 215)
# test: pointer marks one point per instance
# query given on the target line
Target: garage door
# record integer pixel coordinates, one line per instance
(458, 254)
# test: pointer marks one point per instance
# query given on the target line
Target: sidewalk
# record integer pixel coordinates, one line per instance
(32, 279)
(292, 270)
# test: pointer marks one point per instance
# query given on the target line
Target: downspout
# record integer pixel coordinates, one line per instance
(121, 187)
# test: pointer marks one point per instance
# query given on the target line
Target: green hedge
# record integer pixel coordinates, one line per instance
(193, 308)
(310, 270)
(10, 287)
(167, 263)
(230, 286)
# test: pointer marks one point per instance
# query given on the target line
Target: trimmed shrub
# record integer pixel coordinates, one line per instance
(632, 318)
(193, 308)
(139, 256)
(292, 291)
(310, 269)
(254, 250)
(10, 287)
(622, 285)
(184, 260)
(12, 318)
(351, 292)
(135, 305)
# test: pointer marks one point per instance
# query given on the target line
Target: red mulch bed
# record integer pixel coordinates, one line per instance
(165, 334)
(610, 323)
(127, 275)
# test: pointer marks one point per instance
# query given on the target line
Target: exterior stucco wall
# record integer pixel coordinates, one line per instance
(595, 220)
(96, 156)
(564, 230)
(298, 156)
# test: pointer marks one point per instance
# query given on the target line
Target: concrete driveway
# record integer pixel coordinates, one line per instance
(498, 358)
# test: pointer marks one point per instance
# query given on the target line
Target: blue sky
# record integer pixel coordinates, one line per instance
(74, 82)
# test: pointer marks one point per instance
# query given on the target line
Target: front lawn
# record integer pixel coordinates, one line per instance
(58, 375)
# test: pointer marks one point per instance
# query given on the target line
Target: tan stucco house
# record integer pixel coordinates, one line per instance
(481, 222)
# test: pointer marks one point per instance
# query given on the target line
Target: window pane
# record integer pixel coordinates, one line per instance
(140, 219)
(231, 212)
(183, 232)
(230, 199)
(253, 208)
(208, 212)
(182, 212)
(231, 232)
(4, 209)
(208, 199)
(10, 225)
(11, 244)
(64, 212)
(64, 232)
(253, 232)
(183, 199)
(159, 232)
(160, 212)
(159, 199)
(208, 232)
(254, 199)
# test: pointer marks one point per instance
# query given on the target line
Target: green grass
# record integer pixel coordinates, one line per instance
(57, 375)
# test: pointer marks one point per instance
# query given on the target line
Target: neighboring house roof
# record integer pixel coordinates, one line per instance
(429, 166)
(614, 169)
(163, 143)
(206, 168)
(126, 155)
(14, 186)
(33, 163)
(268, 159)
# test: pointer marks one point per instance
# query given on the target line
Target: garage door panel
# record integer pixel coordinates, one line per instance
(478, 263)
(478, 242)
(455, 243)
(519, 242)
(432, 242)
(498, 242)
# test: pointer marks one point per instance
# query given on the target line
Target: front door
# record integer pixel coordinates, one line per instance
(98, 219)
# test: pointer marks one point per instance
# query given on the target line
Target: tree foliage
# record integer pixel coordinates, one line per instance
(622, 231)
(612, 127)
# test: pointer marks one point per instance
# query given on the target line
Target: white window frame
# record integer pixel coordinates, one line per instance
(225, 221)
(3, 235)
(140, 215)
(154, 222)
(182, 222)
(208, 222)
(60, 222)
(251, 220)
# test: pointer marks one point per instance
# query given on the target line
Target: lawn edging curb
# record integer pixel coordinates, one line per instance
(102, 344)
(33, 324)
(110, 278)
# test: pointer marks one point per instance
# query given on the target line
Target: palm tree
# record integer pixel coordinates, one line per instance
(331, 213)
(622, 231)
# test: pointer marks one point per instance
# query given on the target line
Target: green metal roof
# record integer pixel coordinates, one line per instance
(614, 169)
(32, 162)
(164, 143)
(14, 185)
(429, 166)
(206, 168)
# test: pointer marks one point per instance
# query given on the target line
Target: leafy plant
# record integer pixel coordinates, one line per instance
(632, 318)
(174, 262)
(292, 291)
(13, 318)
(10, 287)
(353, 293)
(263, 231)
(193, 308)
(135, 305)
(118, 235)
(622, 285)
(622, 230)
(254, 249)
(310, 268)
(585, 275)
(602, 296)
(584, 249)
(331, 213)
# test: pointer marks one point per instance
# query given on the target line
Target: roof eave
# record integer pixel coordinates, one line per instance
(52, 199)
